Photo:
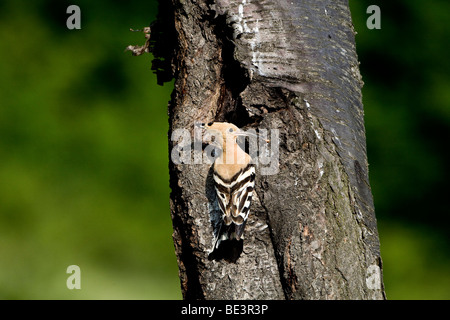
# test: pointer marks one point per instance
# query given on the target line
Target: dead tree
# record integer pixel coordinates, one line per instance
(289, 65)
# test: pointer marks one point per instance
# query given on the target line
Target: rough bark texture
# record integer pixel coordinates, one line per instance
(275, 64)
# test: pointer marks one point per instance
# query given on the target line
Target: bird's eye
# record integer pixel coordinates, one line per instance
(230, 130)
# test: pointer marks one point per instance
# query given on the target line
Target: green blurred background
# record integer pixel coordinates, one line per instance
(84, 159)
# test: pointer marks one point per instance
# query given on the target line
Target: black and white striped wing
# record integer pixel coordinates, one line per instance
(234, 197)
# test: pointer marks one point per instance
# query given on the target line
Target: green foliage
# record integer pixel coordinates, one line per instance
(84, 159)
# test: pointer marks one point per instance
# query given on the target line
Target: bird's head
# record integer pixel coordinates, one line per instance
(224, 130)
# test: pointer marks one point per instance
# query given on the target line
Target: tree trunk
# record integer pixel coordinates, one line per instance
(289, 65)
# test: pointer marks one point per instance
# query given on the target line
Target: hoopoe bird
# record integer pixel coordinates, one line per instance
(234, 180)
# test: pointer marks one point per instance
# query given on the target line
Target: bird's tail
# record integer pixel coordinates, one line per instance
(232, 231)
(228, 244)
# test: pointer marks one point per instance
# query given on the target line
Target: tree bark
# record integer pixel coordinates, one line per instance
(289, 65)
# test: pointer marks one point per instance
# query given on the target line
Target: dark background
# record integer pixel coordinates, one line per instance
(406, 98)
(84, 159)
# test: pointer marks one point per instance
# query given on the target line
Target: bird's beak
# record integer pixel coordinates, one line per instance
(203, 125)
